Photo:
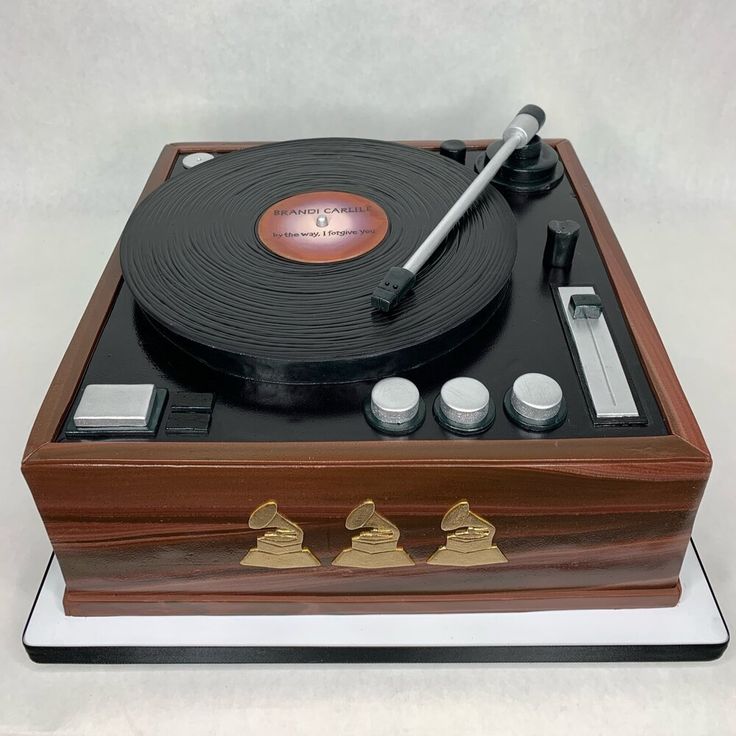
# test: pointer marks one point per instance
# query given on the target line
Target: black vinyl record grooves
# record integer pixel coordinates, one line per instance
(192, 257)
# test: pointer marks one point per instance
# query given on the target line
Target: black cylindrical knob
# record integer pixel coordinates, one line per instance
(454, 149)
(562, 235)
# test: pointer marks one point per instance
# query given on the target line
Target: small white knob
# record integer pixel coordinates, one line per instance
(195, 159)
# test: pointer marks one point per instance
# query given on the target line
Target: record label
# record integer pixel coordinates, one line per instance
(322, 227)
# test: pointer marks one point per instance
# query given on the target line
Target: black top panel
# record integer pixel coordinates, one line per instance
(525, 335)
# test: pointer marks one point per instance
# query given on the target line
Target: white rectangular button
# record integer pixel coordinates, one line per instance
(117, 405)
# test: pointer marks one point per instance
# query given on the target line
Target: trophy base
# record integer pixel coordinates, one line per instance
(358, 558)
(451, 558)
(303, 558)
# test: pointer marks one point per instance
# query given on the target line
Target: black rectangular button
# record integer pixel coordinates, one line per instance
(586, 306)
(188, 401)
(188, 422)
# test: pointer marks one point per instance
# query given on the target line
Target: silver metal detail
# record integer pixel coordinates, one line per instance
(464, 401)
(115, 405)
(395, 400)
(195, 159)
(536, 397)
(524, 127)
(517, 134)
(322, 221)
(422, 254)
(603, 373)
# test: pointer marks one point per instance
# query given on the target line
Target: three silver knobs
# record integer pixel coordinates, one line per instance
(464, 405)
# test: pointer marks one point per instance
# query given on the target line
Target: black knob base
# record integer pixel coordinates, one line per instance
(532, 168)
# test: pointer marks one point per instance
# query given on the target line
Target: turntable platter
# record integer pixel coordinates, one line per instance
(261, 262)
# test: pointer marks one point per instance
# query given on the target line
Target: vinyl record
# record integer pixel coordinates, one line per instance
(262, 262)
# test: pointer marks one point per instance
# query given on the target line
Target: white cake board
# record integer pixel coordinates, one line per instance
(692, 630)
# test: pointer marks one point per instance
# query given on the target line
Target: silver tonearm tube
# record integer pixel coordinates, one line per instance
(400, 279)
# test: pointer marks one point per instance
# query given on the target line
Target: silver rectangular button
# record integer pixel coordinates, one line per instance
(599, 359)
(115, 405)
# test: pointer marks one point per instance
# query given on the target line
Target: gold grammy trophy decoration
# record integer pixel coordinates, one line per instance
(471, 540)
(281, 546)
(376, 545)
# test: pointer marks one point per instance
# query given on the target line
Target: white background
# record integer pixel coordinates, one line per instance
(90, 92)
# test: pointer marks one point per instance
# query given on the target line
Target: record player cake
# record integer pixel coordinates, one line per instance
(352, 376)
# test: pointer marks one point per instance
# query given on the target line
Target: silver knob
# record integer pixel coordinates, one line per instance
(535, 401)
(464, 404)
(195, 159)
(395, 401)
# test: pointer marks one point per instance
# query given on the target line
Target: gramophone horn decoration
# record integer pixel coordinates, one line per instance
(281, 545)
(470, 541)
(376, 545)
